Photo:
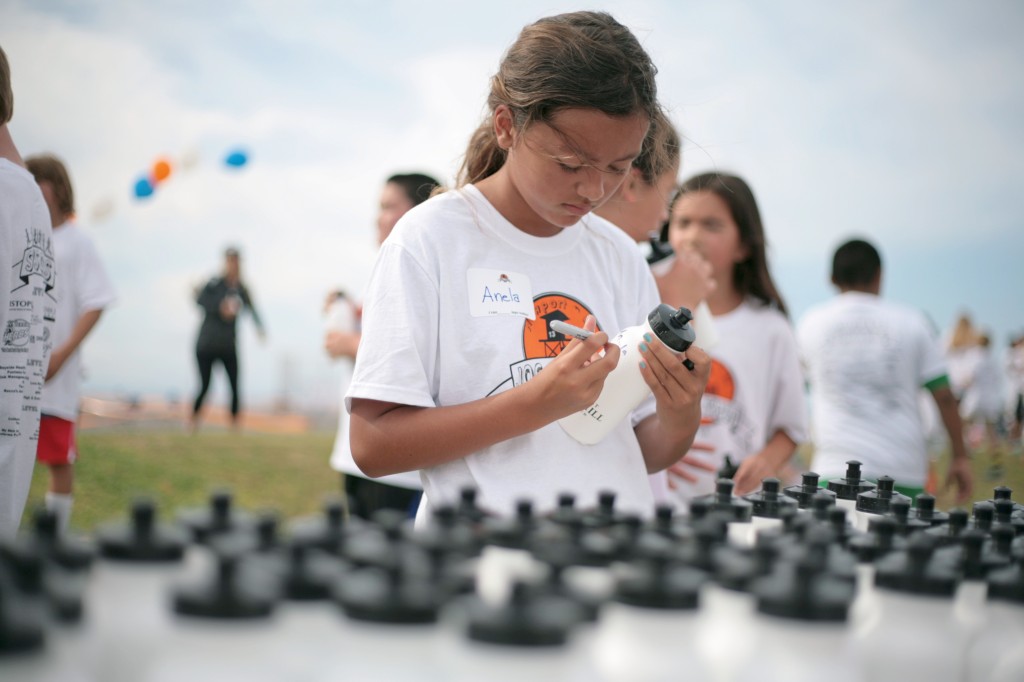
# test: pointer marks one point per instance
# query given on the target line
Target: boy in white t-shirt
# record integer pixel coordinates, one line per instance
(866, 360)
(85, 291)
(27, 308)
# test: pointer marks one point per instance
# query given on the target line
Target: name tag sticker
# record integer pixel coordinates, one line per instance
(499, 292)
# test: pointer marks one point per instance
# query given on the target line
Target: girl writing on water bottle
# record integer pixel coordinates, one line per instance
(459, 372)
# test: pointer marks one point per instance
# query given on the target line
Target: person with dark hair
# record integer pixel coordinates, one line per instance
(866, 360)
(461, 375)
(28, 290)
(85, 292)
(223, 299)
(753, 406)
(401, 491)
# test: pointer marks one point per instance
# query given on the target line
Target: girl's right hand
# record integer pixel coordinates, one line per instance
(573, 380)
(688, 282)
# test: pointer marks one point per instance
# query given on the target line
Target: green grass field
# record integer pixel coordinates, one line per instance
(286, 473)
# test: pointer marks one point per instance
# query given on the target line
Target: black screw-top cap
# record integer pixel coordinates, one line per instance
(565, 511)
(905, 523)
(383, 543)
(912, 571)
(768, 502)
(218, 518)
(881, 539)
(1003, 492)
(841, 529)
(950, 532)
(848, 487)
(449, 535)
(513, 533)
(878, 501)
(527, 620)
(391, 594)
(821, 503)
(1006, 515)
(329, 530)
(723, 502)
(805, 491)
(21, 628)
(728, 468)
(231, 593)
(67, 552)
(699, 509)
(141, 538)
(672, 326)
(924, 510)
(309, 573)
(558, 558)
(984, 515)
(1007, 584)
(468, 508)
(660, 583)
(575, 543)
(803, 590)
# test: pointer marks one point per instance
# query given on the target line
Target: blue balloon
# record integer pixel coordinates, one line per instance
(143, 188)
(237, 158)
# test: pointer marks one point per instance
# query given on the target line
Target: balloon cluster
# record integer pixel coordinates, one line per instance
(162, 168)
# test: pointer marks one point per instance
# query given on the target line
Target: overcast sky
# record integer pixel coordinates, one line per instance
(902, 122)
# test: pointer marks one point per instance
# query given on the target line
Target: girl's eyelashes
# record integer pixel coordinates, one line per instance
(569, 169)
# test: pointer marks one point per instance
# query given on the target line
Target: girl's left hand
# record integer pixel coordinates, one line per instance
(751, 472)
(677, 390)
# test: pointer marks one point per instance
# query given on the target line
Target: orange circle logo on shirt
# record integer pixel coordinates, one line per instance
(539, 340)
(720, 381)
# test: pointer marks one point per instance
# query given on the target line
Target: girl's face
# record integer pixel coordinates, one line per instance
(702, 222)
(394, 203)
(557, 173)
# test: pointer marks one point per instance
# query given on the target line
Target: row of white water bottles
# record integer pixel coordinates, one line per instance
(850, 582)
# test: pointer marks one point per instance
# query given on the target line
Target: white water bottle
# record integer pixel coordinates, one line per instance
(625, 388)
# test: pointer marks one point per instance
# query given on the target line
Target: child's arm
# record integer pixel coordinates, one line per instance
(666, 435)
(388, 438)
(761, 465)
(60, 354)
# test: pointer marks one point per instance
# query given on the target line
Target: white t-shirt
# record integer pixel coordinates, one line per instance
(27, 311)
(429, 339)
(341, 316)
(983, 396)
(866, 360)
(84, 286)
(756, 389)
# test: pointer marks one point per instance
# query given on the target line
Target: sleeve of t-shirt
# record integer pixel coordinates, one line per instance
(397, 357)
(93, 289)
(789, 410)
(933, 363)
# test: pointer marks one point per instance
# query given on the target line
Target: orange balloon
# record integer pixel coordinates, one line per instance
(161, 170)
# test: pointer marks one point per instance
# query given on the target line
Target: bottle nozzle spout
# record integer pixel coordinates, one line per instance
(681, 317)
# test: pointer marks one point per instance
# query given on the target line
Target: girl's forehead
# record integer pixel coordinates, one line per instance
(595, 136)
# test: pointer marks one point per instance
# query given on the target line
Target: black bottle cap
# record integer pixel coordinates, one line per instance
(821, 503)
(878, 501)
(848, 487)
(672, 326)
(1003, 492)
(984, 515)
(21, 628)
(709, 535)
(914, 572)
(660, 583)
(219, 517)
(880, 540)
(64, 550)
(805, 491)
(381, 543)
(309, 573)
(723, 502)
(468, 509)
(449, 535)
(1007, 584)
(949, 533)
(515, 532)
(924, 510)
(566, 511)
(803, 590)
(905, 523)
(231, 593)
(575, 543)
(605, 514)
(527, 620)
(555, 587)
(390, 594)
(141, 538)
(328, 530)
(728, 468)
(768, 502)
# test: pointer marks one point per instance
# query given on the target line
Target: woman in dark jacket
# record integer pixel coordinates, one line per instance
(222, 299)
